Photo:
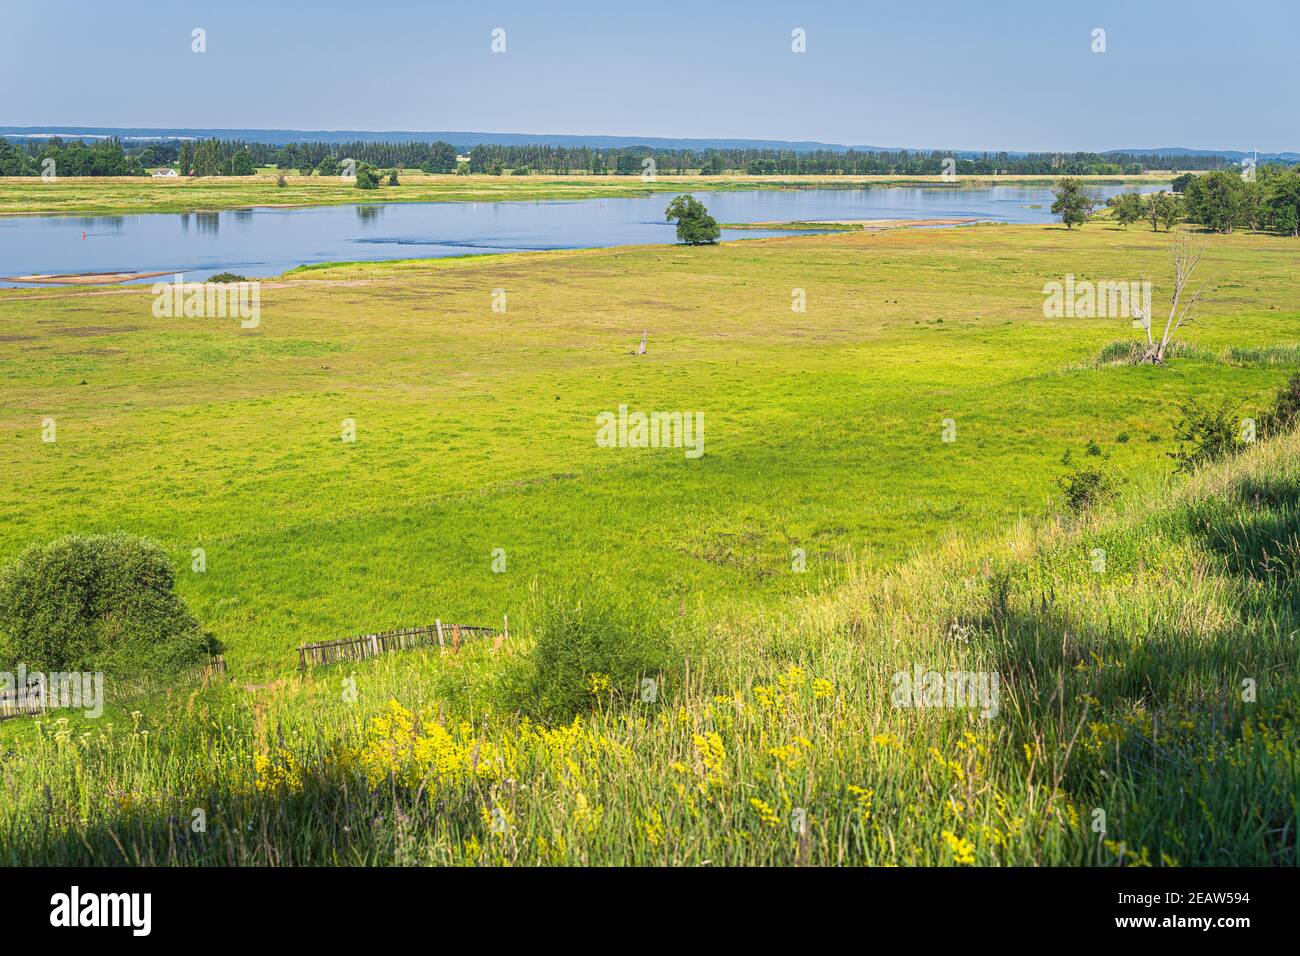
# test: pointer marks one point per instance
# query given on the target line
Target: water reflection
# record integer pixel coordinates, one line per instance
(268, 241)
(102, 225)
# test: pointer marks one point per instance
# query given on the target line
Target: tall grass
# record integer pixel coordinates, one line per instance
(1147, 714)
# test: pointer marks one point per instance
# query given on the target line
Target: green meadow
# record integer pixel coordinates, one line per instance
(475, 430)
(87, 196)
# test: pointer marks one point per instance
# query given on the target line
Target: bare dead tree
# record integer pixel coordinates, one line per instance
(1187, 256)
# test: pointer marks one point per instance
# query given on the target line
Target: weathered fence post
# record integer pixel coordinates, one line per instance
(374, 645)
(506, 619)
(302, 660)
(442, 648)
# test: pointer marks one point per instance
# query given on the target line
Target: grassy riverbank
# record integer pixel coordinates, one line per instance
(124, 196)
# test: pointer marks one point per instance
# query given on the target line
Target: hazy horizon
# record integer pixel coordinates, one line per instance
(70, 130)
(1021, 78)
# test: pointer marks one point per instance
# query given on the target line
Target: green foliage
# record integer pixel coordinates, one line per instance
(1121, 677)
(717, 528)
(1284, 203)
(1162, 208)
(695, 227)
(1073, 203)
(101, 602)
(442, 159)
(207, 158)
(1215, 200)
(227, 277)
(1205, 433)
(392, 178)
(1128, 208)
(628, 164)
(105, 157)
(591, 650)
(241, 164)
(1120, 682)
(1087, 484)
(367, 178)
(1285, 411)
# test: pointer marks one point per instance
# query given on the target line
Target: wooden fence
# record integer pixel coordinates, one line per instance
(21, 702)
(29, 701)
(372, 645)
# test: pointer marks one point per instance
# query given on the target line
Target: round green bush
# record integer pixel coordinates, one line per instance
(96, 603)
(590, 648)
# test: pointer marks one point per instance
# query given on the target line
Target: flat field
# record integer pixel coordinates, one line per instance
(122, 196)
(475, 428)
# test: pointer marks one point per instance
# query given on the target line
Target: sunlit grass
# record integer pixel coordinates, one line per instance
(475, 429)
(1125, 732)
(87, 196)
(1122, 682)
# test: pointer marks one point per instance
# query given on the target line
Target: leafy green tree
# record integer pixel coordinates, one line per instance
(695, 227)
(1170, 210)
(1283, 203)
(1128, 208)
(392, 178)
(1073, 204)
(241, 164)
(12, 161)
(1215, 200)
(1254, 204)
(101, 602)
(207, 158)
(442, 158)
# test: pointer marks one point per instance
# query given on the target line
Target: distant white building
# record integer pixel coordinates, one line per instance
(165, 174)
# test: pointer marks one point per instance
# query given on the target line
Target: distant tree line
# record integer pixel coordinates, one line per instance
(1252, 205)
(438, 157)
(1224, 201)
(1265, 199)
(104, 157)
(630, 161)
(214, 157)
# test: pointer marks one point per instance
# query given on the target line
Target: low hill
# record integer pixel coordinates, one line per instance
(1144, 712)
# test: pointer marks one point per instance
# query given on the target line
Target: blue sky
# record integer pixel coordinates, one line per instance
(1015, 74)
